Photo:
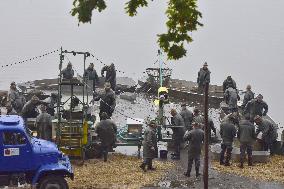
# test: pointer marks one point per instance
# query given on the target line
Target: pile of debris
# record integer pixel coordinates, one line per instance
(120, 171)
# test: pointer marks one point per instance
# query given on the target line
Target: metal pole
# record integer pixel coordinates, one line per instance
(84, 80)
(58, 129)
(206, 140)
(161, 68)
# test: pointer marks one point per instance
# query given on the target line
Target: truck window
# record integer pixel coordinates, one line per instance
(13, 138)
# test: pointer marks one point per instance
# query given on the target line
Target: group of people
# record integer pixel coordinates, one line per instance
(189, 127)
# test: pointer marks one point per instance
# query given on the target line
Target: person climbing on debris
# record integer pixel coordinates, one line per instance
(30, 108)
(227, 132)
(10, 109)
(229, 82)
(106, 130)
(249, 95)
(195, 138)
(203, 77)
(68, 72)
(187, 116)
(108, 101)
(92, 75)
(246, 135)
(110, 75)
(44, 124)
(198, 118)
(17, 101)
(256, 107)
(269, 133)
(231, 97)
(178, 133)
(150, 148)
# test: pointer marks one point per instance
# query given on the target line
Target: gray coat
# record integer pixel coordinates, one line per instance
(178, 133)
(269, 131)
(249, 95)
(91, 74)
(203, 77)
(44, 126)
(106, 130)
(227, 132)
(187, 118)
(246, 133)
(231, 97)
(17, 101)
(67, 73)
(195, 138)
(150, 148)
(200, 119)
(254, 108)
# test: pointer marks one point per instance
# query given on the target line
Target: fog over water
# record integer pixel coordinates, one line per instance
(241, 38)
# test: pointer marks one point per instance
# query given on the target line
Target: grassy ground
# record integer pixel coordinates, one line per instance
(119, 172)
(272, 171)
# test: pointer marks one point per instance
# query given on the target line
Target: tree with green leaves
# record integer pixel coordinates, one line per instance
(183, 18)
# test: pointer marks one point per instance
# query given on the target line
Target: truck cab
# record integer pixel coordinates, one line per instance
(27, 160)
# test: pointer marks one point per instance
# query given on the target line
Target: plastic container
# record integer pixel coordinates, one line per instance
(163, 154)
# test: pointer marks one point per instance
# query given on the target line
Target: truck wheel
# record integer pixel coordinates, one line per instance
(53, 182)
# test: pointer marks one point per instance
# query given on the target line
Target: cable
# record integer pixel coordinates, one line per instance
(30, 59)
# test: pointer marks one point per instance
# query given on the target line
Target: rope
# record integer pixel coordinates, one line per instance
(30, 59)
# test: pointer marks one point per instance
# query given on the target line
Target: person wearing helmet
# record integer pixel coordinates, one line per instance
(150, 148)
(30, 108)
(229, 82)
(231, 97)
(68, 72)
(108, 101)
(203, 77)
(15, 99)
(249, 95)
(44, 124)
(256, 107)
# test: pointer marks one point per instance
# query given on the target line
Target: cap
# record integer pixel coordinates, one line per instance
(205, 64)
(13, 83)
(248, 86)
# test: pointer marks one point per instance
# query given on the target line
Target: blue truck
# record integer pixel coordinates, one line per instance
(27, 160)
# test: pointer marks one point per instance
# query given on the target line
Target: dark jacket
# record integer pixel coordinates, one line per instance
(249, 95)
(150, 148)
(110, 75)
(108, 101)
(91, 74)
(67, 73)
(254, 108)
(29, 110)
(187, 118)
(203, 77)
(106, 130)
(44, 126)
(17, 101)
(201, 120)
(227, 132)
(178, 132)
(246, 133)
(229, 82)
(269, 131)
(195, 138)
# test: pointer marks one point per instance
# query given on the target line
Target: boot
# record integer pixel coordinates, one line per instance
(241, 165)
(143, 167)
(150, 167)
(228, 158)
(197, 174)
(250, 161)
(221, 159)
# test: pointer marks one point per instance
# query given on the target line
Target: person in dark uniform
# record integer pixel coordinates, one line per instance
(227, 132)
(44, 124)
(178, 133)
(92, 75)
(195, 138)
(68, 72)
(150, 148)
(106, 130)
(203, 77)
(108, 101)
(110, 75)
